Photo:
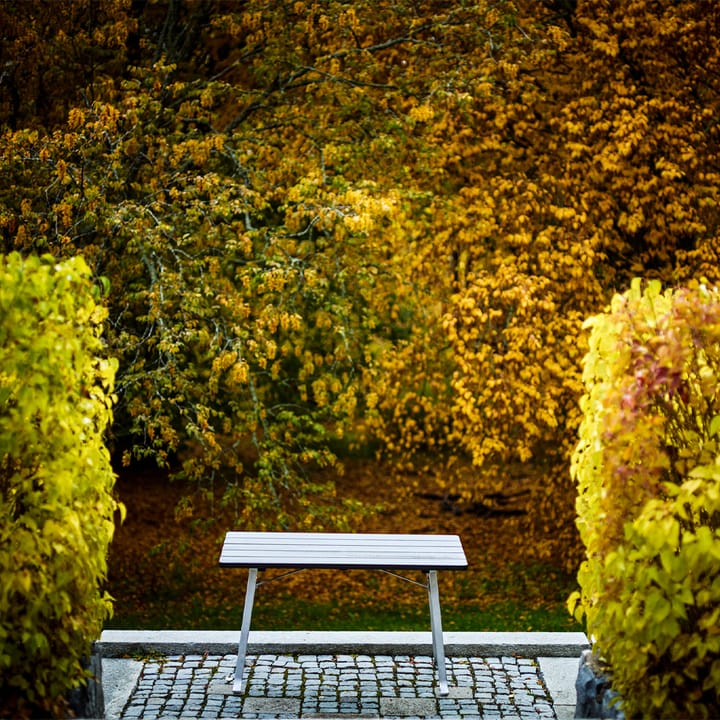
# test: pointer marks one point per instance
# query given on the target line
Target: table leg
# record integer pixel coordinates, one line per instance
(437, 634)
(245, 630)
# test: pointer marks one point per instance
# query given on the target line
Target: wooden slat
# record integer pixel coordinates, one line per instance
(343, 550)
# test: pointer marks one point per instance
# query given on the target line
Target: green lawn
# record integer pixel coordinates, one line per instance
(293, 614)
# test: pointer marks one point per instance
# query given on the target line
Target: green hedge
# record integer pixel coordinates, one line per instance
(648, 474)
(56, 482)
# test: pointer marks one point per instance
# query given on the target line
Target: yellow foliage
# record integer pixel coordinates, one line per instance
(375, 208)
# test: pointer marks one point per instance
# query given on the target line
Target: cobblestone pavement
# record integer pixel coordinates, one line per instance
(338, 686)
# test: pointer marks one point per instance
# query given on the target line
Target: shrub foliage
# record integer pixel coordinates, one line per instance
(648, 473)
(56, 504)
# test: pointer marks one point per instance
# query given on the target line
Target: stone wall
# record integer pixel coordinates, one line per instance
(595, 696)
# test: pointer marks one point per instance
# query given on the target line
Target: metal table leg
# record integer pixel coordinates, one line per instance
(437, 634)
(245, 630)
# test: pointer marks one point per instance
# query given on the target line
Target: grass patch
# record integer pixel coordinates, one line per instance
(294, 614)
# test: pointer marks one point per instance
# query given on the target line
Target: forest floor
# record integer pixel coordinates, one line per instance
(164, 570)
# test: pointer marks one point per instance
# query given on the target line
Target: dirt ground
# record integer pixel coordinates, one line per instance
(163, 569)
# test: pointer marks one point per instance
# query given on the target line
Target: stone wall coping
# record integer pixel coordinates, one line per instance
(129, 643)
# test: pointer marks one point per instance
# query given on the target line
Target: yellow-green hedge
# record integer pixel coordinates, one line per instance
(648, 473)
(56, 482)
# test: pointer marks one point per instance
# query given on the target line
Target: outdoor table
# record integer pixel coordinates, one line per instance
(344, 551)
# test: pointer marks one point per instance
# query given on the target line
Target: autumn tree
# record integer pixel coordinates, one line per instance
(312, 213)
(241, 293)
(596, 161)
(53, 60)
(253, 276)
(236, 330)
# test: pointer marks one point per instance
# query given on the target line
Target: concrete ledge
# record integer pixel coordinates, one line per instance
(119, 678)
(128, 643)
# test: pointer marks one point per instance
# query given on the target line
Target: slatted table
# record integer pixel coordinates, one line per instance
(345, 551)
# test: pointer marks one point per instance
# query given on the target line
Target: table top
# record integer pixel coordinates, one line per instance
(380, 551)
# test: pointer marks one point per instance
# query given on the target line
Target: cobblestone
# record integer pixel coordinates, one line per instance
(343, 686)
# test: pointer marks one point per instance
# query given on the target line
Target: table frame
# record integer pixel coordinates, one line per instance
(454, 560)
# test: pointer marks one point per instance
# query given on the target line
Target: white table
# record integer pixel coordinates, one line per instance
(345, 551)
